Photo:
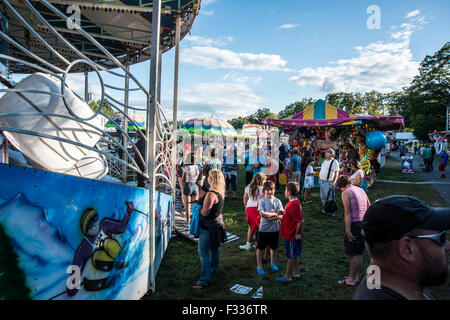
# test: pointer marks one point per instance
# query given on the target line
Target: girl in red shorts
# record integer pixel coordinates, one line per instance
(253, 193)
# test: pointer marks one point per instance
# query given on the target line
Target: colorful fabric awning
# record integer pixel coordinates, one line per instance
(137, 120)
(214, 127)
(322, 114)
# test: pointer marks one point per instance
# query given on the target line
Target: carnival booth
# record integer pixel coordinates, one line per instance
(321, 126)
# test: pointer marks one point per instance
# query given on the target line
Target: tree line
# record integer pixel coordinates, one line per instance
(423, 103)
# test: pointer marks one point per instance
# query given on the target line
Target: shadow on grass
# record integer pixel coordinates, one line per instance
(322, 264)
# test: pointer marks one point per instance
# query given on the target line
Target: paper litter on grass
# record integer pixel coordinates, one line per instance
(240, 289)
(258, 294)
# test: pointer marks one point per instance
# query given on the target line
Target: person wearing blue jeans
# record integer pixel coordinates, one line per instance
(329, 173)
(209, 258)
(212, 228)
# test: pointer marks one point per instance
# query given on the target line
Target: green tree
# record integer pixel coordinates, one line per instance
(107, 109)
(428, 95)
(263, 113)
(373, 102)
(347, 101)
(295, 107)
(238, 123)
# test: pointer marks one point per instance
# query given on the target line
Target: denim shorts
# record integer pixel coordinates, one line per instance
(355, 248)
(190, 189)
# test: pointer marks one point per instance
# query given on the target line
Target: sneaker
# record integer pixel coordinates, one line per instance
(245, 246)
(282, 279)
(295, 276)
(332, 214)
(274, 267)
(260, 271)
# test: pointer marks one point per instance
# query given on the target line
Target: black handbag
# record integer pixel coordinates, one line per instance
(330, 206)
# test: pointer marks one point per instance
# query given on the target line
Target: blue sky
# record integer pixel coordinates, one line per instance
(242, 55)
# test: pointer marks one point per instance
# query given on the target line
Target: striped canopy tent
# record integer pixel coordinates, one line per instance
(322, 114)
(212, 127)
(137, 120)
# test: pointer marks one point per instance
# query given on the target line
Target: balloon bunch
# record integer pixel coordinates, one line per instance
(359, 137)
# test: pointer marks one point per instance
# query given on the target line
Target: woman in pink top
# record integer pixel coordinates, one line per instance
(355, 202)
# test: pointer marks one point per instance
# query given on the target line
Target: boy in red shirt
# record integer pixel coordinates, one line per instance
(291, 230)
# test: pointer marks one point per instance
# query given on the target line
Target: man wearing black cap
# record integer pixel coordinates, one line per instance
(406, 240)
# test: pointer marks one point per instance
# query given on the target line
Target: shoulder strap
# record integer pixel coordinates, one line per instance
(329, 169)
(219, 197)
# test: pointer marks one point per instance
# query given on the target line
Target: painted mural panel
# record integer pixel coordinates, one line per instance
(78, 238)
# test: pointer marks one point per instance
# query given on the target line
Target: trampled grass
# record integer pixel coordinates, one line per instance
(322, 264)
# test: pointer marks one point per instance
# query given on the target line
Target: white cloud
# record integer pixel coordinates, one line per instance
(207, 12)
(208, 2)
(382, 66)
(224, 100)
(205, 41)
(204, 4)
(412, 14)
(215, 58)
(237, 77)
(288, 26)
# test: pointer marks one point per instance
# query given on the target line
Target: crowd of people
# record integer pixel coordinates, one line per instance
(206, 179)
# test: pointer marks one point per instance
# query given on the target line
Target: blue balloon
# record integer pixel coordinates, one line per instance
(375, 140)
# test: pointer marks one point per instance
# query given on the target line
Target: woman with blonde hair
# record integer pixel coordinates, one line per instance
(212, 228)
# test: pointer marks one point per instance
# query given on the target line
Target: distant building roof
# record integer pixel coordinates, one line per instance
(404, 136)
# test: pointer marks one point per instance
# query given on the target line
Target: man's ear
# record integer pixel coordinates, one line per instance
(407, 249)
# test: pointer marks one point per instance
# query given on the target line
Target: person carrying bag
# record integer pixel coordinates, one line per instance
(330, 205)
(326, 185)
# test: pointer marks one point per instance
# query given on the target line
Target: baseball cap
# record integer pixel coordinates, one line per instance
(392, 217)
(330, 151)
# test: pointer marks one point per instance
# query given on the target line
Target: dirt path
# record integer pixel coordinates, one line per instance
(442, 185)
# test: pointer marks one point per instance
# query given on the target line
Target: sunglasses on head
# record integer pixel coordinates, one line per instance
(440, 238)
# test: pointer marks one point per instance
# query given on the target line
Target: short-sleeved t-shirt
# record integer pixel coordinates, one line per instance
(262, 161)
(191, 172)
(358, 172)
(325, 167)
(384, 293)
(234, 164)
(270, 205)
(296, 161)
(291, 217)
(252, 202)
(426, 153)
(210, 165)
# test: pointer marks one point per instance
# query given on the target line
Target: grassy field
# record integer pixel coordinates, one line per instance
(322, 264)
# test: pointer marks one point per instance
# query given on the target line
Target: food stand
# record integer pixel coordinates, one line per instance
(321, 126)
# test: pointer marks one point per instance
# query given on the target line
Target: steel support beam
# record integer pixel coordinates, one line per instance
(125, 125)
(151, 132)
(175, 111)
(86, 86)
